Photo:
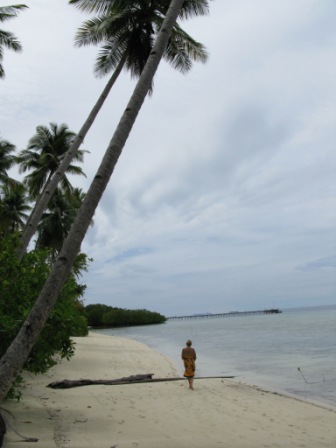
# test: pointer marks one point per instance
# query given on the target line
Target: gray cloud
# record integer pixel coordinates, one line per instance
(321, 263)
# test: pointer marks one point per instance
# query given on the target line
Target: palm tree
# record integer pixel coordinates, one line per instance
(128, 28)
(8, 39)
(14, 206)
(56, 221)
(43, 156)
(7, 160)
(18, 352)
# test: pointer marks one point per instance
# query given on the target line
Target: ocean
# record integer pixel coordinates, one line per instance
(293, 352)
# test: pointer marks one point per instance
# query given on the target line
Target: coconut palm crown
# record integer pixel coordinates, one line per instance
(128, 28)
(44, 154)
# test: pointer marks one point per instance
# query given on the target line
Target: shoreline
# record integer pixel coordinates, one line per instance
(291, 387)
(217, 413)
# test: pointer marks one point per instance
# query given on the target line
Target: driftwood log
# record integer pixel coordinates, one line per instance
(133, 379)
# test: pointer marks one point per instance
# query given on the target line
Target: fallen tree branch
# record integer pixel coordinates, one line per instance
(133, 379)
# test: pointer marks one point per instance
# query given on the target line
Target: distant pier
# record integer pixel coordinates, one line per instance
(230, 314)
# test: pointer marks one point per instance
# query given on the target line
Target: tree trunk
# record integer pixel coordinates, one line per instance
(3, 429)
(17, 354)
(48, 191)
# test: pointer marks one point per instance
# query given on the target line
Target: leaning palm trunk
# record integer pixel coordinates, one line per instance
(18, 352)
(48, 191)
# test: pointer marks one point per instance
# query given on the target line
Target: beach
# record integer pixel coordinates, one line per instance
(217, 413)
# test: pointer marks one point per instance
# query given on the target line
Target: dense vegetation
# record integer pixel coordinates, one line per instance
(99, 315)
(19, 286)
(22, 280)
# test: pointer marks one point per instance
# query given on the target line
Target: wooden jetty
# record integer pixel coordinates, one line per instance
(229, 314)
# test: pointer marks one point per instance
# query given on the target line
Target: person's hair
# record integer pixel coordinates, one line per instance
(188, 343)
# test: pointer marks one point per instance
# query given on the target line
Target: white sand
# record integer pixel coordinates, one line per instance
(218, 413)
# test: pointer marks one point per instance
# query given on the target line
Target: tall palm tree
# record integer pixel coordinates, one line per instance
(8, 39)
(128, 29)
(18, 352)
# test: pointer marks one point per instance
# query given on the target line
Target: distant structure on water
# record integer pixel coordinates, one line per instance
(229, 314)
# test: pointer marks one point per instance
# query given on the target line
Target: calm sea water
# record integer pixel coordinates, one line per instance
(292, 352)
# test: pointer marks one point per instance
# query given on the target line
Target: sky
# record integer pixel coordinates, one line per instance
(224, 196)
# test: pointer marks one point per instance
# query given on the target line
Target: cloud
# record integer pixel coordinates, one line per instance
(131, 253)
(224, 194)
(321, 263)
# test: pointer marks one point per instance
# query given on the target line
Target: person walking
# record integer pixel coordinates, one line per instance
(189, 357)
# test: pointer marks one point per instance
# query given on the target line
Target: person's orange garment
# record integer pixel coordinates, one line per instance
(189, 358)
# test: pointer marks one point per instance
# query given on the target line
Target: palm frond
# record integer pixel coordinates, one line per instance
(101, 6)
(109, 57)
(73, 169)
(9, 12)
(92, 32)
(79, 156)
(191, 8)
(9, 41)
(181, 46)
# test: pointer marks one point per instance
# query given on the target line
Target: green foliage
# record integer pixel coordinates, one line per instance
(13, 207)
(20, 284)
(44, 154)
(94, 314)
(99, 315)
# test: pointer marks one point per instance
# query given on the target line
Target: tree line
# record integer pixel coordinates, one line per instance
(39, 279)
(99, 315)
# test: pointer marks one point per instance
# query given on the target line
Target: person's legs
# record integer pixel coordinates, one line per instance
(191, 382)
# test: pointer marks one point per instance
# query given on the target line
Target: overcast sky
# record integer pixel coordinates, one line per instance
(224, 196)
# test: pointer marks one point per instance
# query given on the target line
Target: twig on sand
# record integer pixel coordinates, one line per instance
(3, 427)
